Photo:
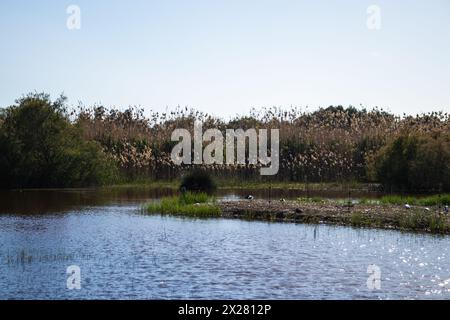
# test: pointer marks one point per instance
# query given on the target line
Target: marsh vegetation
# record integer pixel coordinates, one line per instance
(45, 143)
(187, 204)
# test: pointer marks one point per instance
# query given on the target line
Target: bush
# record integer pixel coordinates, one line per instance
(414, 162)
(198, 181)
(39, 147)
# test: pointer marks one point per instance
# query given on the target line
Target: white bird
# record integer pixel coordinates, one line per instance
(282, 200)
(407, 206)
(249, 197)
(427, 209)
(446, 209)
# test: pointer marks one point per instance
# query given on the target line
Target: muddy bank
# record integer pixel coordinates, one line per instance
(423, 219)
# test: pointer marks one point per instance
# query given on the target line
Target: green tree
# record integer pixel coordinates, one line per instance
(414, 162)
(41, 148)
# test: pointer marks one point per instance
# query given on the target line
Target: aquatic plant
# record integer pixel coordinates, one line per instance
(420, 220)
(194, 197)
(188, 204)
(357, 219)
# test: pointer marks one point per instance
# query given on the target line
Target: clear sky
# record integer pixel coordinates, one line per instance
(225, 57)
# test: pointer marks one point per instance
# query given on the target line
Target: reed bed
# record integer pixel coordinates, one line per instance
(333, 144)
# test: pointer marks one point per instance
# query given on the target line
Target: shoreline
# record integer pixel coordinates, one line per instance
(258, 185)
(393, 217)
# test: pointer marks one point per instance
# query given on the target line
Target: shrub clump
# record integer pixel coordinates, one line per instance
(198, 181)
(414, 161)
(40, 147)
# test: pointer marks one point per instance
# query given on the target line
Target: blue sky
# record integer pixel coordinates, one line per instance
(225, 57)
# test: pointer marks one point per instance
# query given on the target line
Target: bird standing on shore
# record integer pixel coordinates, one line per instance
(446, 209)
(249, 197)
(407, 206)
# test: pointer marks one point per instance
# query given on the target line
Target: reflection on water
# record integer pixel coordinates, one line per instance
(125, 254)
(53, 201)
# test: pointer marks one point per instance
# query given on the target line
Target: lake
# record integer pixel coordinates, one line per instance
(123, 253)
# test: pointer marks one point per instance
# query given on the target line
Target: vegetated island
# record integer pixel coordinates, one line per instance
(385, 213)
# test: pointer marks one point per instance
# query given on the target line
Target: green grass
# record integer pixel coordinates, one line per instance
(433, 200)
(426, 201)
(146, 184)
(416, 220)
(358, 219)
(312, 200)
(188, 204)
(194, 197)
(368, 201)
(420, 220)
(248, 184)
(339, 201)
(300, 186)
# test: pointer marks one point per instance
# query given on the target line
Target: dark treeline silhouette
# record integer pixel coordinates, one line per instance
(334, 144)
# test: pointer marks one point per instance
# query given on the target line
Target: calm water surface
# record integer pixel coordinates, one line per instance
(125, 254)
